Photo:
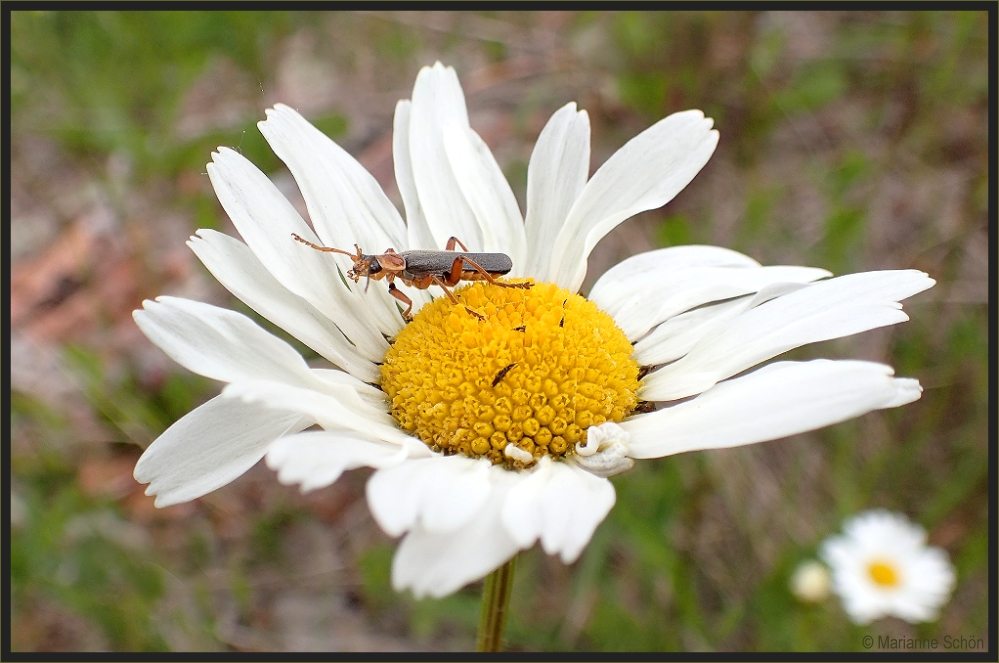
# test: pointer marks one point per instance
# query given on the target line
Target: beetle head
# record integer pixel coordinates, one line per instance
(362, 264)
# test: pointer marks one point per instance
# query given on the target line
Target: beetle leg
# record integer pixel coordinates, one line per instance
(454, 300)
(454, 240)
(421, 282)
(401, 296)
(456, 270)
(452, 277)
(444, 287)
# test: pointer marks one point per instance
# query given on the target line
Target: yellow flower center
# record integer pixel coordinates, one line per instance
(533, 367)
(883, 574)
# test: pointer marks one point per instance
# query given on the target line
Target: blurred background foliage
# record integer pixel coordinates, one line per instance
(850, 140)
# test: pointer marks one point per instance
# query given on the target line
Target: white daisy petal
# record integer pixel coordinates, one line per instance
(374, 396)
(487, 192)
(775, 401)
(634, 275)
(218, 343)
(515, 453)
(645, 174)
(340, 410)
(316, 459)
(556, 175)
(605, 452)
(829, 309)
(345, 202)
(664, 296)
(266, 220)
(418, 232)
(932, 580)
(210, 447)
(436, 564)
(675, 337)
(234, 265)
(227, 346)
(439, 105)
(523, 511)
(592, 497)
(438, 494)
(535, 508)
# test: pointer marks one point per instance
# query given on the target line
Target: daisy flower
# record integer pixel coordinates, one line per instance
(882, 566)
(494, 424)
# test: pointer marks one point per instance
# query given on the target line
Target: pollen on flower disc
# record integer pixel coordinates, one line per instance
(883, 574)
(540, 367)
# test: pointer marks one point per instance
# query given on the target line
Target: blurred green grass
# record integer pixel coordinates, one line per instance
(690, 558)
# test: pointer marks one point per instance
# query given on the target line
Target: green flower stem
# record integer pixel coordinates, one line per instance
(495, 600)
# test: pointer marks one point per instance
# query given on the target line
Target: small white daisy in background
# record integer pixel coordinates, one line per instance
(494, 425)
(810, 582)
(881, 566)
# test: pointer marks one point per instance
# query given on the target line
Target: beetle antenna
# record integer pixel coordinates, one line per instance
(326, 249)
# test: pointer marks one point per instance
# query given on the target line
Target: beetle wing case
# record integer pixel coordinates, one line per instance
(438, 262)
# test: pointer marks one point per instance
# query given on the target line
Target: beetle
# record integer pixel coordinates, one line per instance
(421, 269)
